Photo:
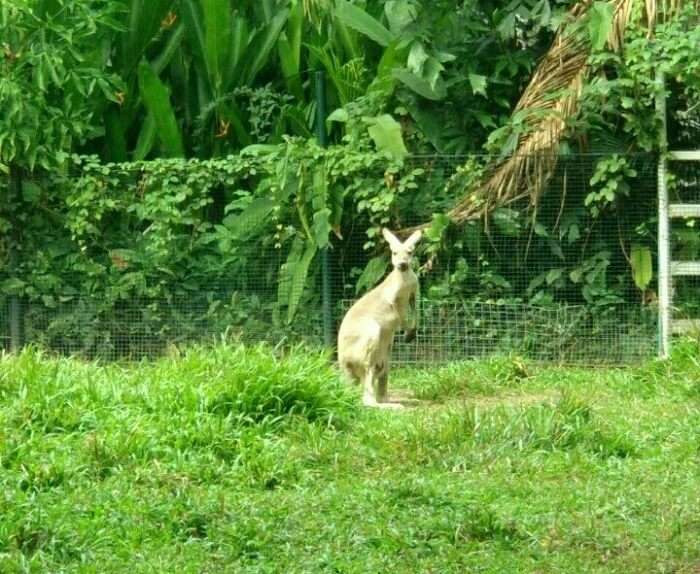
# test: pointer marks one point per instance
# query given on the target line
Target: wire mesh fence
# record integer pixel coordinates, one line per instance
(553, 283)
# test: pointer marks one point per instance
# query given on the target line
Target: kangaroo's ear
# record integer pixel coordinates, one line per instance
(413, 239)
(392, 240)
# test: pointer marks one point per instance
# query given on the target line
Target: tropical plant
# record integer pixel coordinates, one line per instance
(556, 103)
(54, 79)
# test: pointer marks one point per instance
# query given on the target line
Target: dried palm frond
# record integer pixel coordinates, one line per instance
(549, 101)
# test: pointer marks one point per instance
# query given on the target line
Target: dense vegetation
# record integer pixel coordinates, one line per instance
(196, 81)
(230, 459)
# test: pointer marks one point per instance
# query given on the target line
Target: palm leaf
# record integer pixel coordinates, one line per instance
(549, 100)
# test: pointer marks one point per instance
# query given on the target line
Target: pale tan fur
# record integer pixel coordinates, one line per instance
(366, 334)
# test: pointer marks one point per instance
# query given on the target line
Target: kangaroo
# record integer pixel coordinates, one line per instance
(366, 335)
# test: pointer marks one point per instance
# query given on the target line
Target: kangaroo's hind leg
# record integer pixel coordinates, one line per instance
(352, 373)
(369, 395)
(382, 382)
(383, 373)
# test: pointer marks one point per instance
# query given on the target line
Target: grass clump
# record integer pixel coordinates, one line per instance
(254, 385)
(462, 379)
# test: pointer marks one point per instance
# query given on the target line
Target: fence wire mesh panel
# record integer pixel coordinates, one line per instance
(684, 195)
(554, 283)
(565, 334)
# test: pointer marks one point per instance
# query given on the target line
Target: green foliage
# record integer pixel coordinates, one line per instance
(640, 260)
(356, 18)
(611, 181)
(386, 133)
(600, 19)
(618, 102)
(157, 100)
(54, 81)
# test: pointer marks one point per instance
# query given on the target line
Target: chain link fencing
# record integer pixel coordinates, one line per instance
(556, 283)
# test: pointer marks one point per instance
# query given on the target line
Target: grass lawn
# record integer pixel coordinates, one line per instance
(231, 460)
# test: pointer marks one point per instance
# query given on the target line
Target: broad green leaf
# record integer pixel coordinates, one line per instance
(384, 80)
(478, 84)
(319, 187)
(263, 44)
(251, 218)
(431, 124)
(144, 23)
(417, 58)
(295, 27)
(297, 268)
(258, 150)
(400, 14)
(289, 49)
(600, 21)
(171, 46)
(157, 100)
(372, 273)
(336, 196)
(553, 275)
(194, 28)
(356, 18)
(114, 135)
(640, 260)
(507, 221)
(321, 226)
(437, 227)
(217, 39)
(146, 139)
(240, 40)
(431, 71)
(419, 85)
(287, 271)
(576, 275)
(289, 63)
(31, 192)
(340, 115)
(385, 131)
(268, 9)
(347, 38)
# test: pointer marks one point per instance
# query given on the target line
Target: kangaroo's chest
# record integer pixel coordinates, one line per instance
(397, 294)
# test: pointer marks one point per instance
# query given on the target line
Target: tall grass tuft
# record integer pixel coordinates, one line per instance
(245, 385)
(253, 385)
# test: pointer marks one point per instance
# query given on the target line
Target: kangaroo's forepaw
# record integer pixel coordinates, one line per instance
(410, 335)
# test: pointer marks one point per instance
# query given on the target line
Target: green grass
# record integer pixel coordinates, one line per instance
(234, 459)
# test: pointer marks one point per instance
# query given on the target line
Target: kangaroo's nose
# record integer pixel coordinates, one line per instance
(403, 266)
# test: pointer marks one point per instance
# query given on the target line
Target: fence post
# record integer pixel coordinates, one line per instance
(15, 308)
(664, 238)
(322, 137)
